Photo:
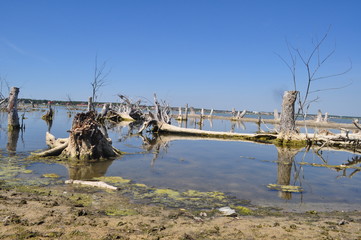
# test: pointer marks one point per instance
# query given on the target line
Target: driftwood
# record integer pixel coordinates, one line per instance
(129, 110)
(86, 141)
(99, 184)
(287, 136)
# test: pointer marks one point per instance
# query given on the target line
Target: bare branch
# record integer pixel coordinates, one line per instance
(328, 89)
(99, 77)
(336, 74)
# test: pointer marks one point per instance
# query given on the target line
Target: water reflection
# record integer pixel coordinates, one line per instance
(89, 170)
(13, 137)
(286, 158)
(354, 161)
(49, 124)
(154, 144)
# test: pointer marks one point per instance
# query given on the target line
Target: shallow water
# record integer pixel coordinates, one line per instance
(240, 169)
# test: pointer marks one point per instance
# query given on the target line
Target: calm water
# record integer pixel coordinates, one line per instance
(240, 169)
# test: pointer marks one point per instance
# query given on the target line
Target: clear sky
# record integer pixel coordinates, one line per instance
(212, 54)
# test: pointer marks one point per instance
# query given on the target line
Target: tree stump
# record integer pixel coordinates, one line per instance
(13, 118)
(86, 141)
(287, 121)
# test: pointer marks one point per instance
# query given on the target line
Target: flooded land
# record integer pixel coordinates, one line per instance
(173, 186)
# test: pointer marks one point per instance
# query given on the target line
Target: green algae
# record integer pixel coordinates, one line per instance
(117, 180)
(290, 143)
(50, 175)
(120, 212)
(285, 188)
(242, 210)
(168, 192)
(140, 185)
(81, 199)
(35, 190)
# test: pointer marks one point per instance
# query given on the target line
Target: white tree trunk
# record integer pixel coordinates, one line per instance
(287, 122)
(13, 118)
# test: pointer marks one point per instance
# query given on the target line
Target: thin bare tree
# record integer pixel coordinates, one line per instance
(312, 63)
(99, 78)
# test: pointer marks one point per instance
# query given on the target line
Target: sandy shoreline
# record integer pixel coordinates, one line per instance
(68, 212)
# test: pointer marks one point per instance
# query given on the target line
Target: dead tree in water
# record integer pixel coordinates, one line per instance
(287, 122)
(48, 116)
(86, 141)
(13, 118)
(312, 64)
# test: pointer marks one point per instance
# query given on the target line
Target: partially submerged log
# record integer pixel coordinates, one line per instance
(288, 135)
(85, 142)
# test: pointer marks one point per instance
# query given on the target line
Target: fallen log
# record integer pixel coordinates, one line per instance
(99, 184)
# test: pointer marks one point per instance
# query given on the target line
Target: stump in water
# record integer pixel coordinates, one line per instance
(86, 141)
(48, 116)
(287, 122)
(13, 118)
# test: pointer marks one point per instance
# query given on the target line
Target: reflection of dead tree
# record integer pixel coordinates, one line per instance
(88, 170)
(13, 137)
(154, 144)
(354, 161)
(285, 161)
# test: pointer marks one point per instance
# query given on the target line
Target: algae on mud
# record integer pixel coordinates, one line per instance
(190, 199)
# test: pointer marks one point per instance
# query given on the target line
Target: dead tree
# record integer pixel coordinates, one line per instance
(86, 141)
(48, 116)
(130, 110)
(287, 122)
(99, 78)
(90, 104)
(13, 118)
(312, 64)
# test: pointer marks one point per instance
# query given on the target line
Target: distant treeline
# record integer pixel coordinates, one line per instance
(53, 102)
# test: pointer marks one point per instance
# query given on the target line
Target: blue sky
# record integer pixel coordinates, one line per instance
(211, 54)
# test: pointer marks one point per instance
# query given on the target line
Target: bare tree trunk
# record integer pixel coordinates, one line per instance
(287, 122)
(90, 104)
(13, 118)
(86, 141)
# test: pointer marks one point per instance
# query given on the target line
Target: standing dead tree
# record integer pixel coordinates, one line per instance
(312, 64)
(13, 118)
(287, 121)
(99, 78)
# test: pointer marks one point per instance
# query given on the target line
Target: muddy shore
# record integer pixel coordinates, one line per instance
(72, 212)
